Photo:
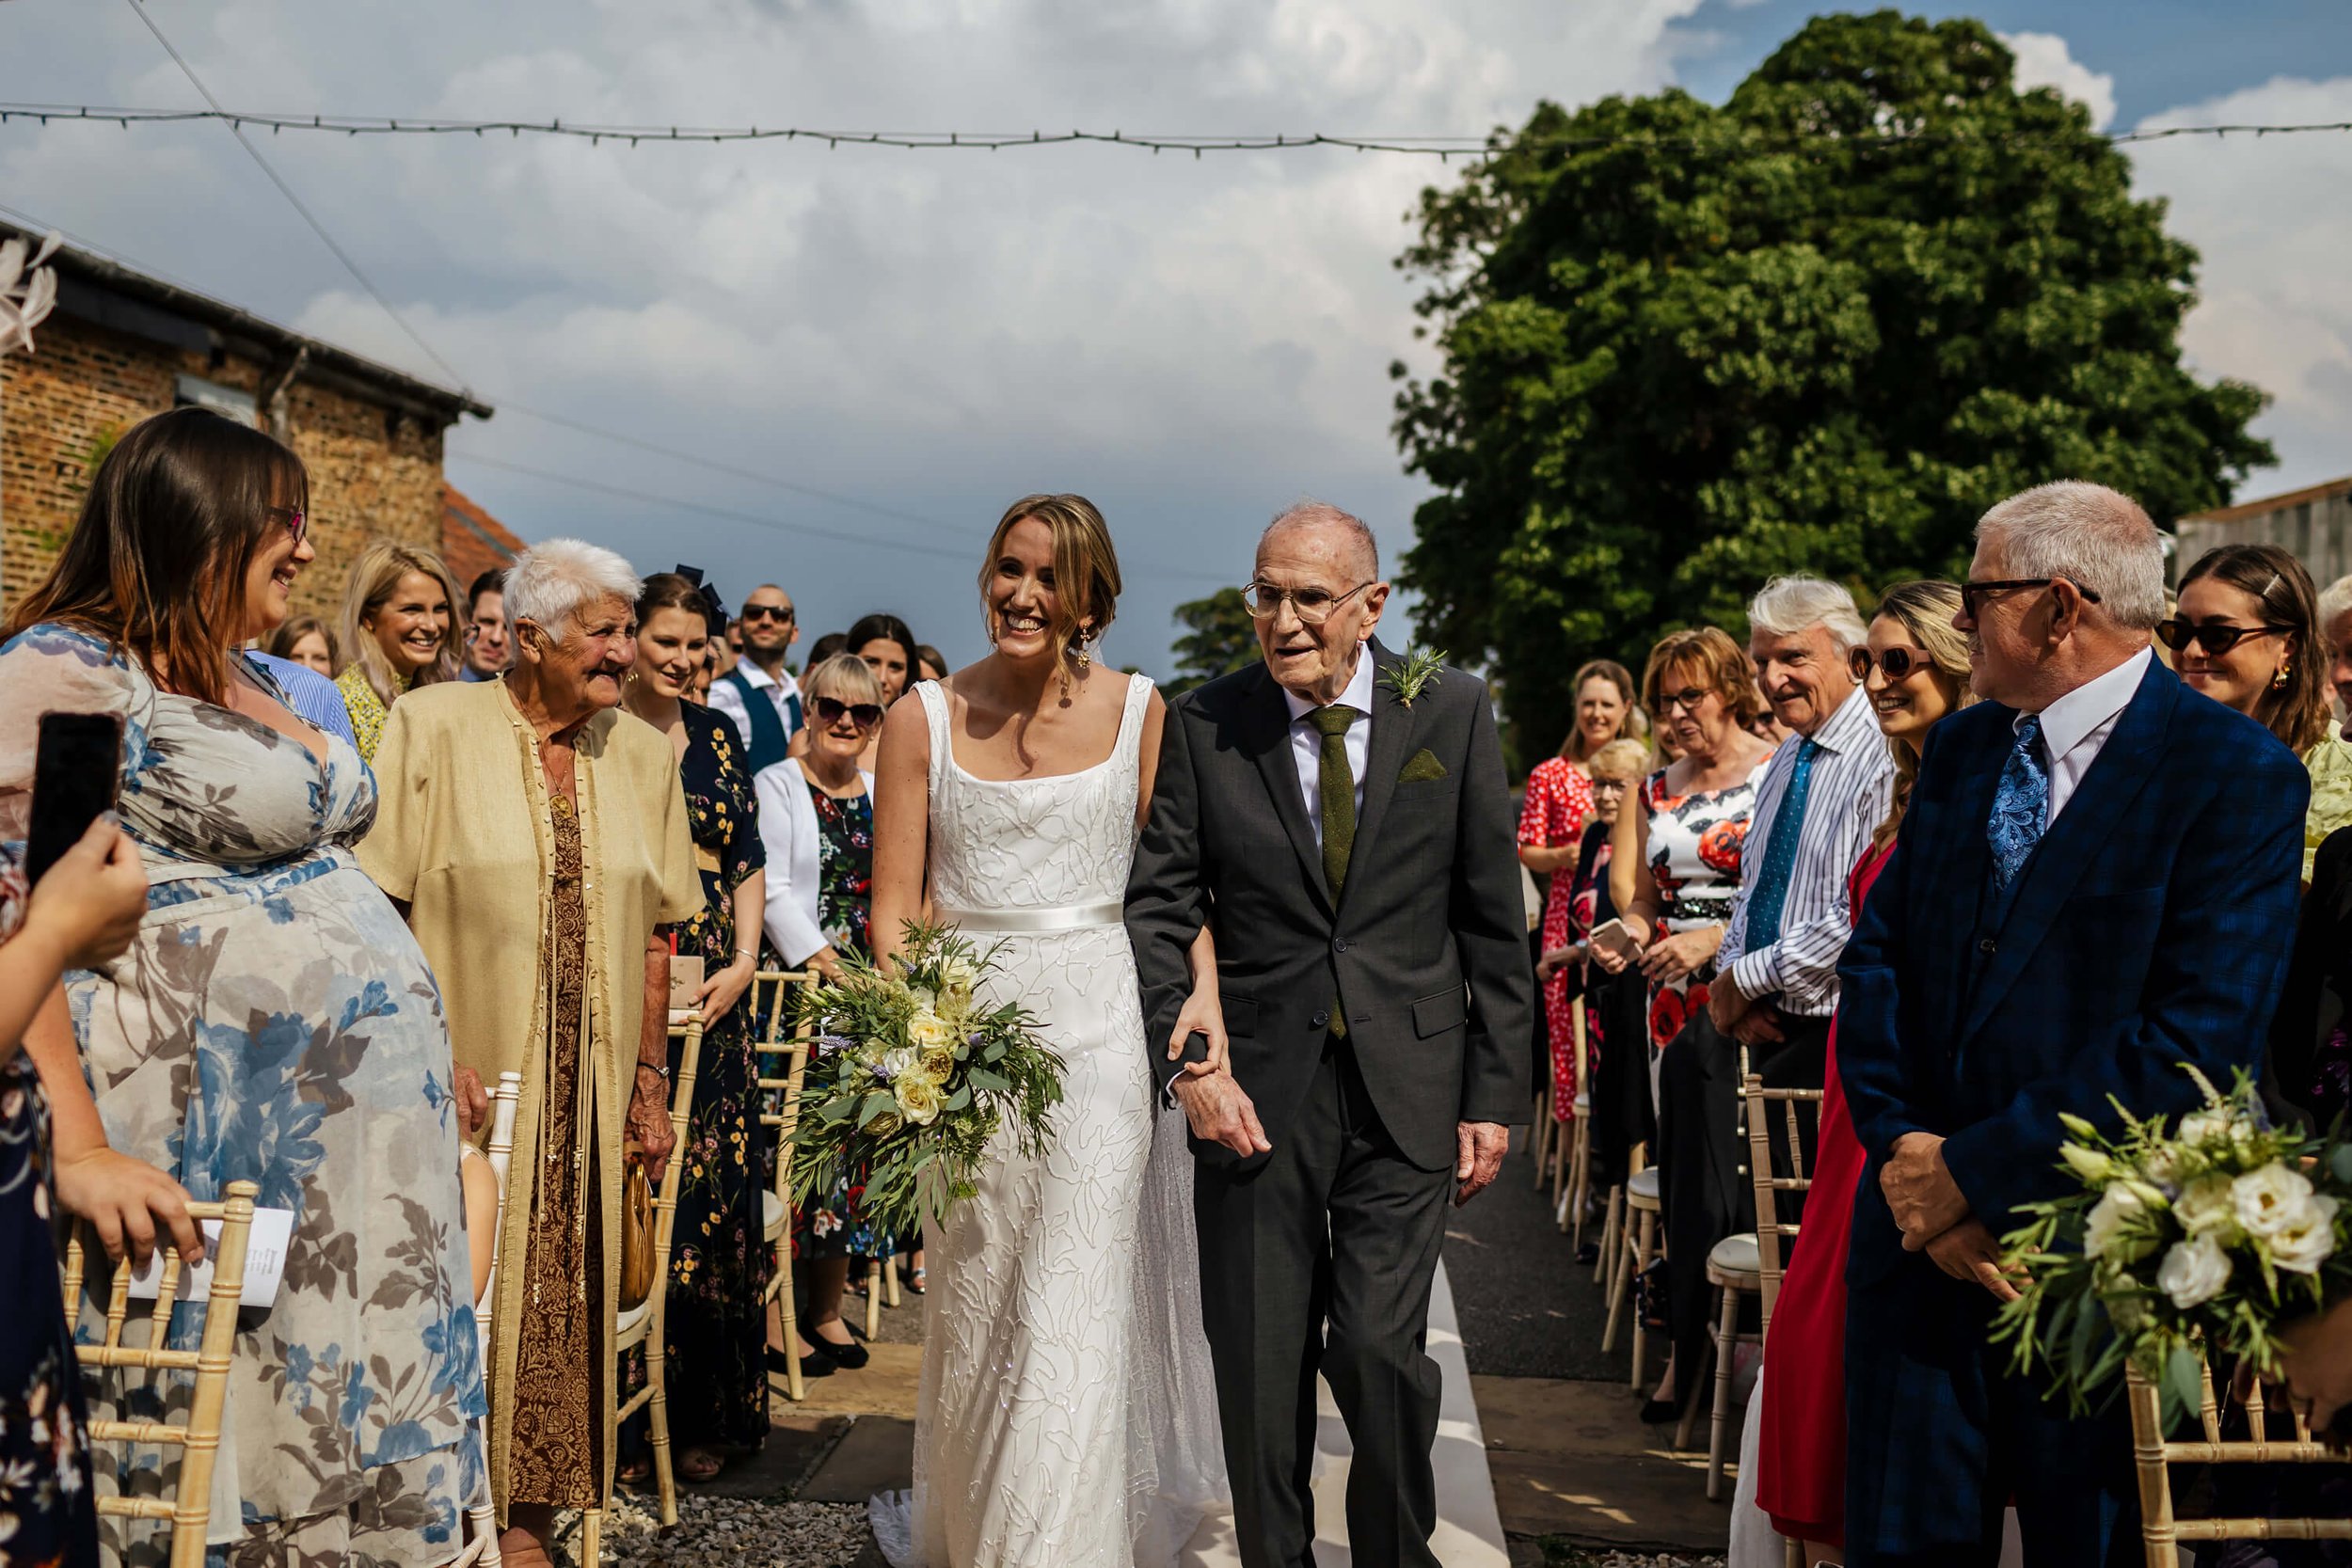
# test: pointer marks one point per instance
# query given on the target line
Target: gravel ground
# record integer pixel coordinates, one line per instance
(736, 1532)
(1578, 1558)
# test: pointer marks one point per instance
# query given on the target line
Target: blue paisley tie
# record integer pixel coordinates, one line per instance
(2021, 805)
(1780, 852)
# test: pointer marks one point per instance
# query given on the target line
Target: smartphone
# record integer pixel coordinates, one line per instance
(76, 774)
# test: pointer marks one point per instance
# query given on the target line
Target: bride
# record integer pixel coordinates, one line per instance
(1066, 1417)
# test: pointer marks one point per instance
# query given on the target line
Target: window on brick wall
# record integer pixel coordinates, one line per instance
(192, 390)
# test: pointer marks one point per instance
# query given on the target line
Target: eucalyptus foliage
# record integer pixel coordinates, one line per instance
(911, 1075)
(1821, 328)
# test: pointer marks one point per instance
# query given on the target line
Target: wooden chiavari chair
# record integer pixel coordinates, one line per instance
(2161, 1531)
(780, 1036)
(1640, 1236)
(482, 1518)
(188, 1510)
(645, 1324)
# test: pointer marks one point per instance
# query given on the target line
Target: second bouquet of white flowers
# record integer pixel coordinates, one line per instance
(2209, 1235)
(909, 1076)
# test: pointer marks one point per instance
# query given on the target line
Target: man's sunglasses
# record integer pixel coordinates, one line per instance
(2177, 634)
(296, 520)
(1898, 663)
(863, 715)
(1971, 592)
(769, 613)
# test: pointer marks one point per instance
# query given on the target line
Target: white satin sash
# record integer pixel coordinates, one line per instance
(1068, 917)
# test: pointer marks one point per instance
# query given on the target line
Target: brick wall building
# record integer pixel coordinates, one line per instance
(122, 345)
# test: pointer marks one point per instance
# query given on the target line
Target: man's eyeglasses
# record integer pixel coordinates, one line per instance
(1688, 699)
(1314, 605)
(1897, 663)
(1970, 592)
(831, 710)
(296, 520)
(781, 612)
(2177, 634)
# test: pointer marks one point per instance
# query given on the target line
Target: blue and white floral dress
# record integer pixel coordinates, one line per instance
(276, 1022)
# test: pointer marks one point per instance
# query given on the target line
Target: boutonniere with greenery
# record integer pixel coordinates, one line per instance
(1414, 673)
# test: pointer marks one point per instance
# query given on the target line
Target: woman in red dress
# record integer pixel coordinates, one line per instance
(1914, 668)
(1552, 822)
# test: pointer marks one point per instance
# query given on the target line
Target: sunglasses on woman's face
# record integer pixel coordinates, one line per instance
(2177, 634)
(1897, 663)
(830, 710)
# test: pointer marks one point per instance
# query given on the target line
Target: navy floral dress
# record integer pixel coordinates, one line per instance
(717, 1374)
(845, 901)
(47, 1520)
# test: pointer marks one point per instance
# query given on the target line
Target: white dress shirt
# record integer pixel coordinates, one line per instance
(1307, 741)
(2077, 726)
(725, 698)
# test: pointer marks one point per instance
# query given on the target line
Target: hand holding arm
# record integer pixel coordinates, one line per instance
(1203, 1013)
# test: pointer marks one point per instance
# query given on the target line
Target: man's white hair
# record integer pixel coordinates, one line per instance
(1786, 607)
(1314, 514)
(2093, 536)
(554, 580)
(2334, 600)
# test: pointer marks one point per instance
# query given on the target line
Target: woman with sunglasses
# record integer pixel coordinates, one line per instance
(1915, 671)
(2246, 634)
(717, 1334)
(817, 817)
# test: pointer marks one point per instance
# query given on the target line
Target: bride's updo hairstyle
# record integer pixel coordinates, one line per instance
(1085, 571)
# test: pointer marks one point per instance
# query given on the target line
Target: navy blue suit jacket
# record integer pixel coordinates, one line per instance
(2150, 928)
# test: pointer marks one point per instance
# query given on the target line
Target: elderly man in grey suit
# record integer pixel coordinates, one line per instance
(1343, 821)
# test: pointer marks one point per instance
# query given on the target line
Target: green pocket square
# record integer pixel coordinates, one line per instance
(1422, 768)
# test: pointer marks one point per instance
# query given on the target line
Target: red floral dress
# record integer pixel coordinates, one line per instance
(1559, 804)
(1694, 843)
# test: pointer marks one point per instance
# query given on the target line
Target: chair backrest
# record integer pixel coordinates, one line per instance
(2152, 1455)
(199, 1438)
(503, 1100)
(681, 1117)
(1762, 1123)
(780, 1035)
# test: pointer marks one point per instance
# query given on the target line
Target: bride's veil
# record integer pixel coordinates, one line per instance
(1176, 1455)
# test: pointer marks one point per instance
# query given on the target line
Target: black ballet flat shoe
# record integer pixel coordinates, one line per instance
(780, 1364)
(1657, 1413)
(847, 1357)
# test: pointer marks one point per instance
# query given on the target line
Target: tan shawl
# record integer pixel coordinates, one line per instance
(464, 837)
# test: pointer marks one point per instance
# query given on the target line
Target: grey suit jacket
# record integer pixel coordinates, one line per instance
(1426, 948)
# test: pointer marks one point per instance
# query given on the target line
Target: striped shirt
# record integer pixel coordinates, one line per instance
(1853, 783)
(309, 696)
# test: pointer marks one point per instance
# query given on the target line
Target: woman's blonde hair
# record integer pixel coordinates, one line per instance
(1085, 571)
(374, 579)
(1924, 610)
(844, 678)
(1635, 722)
(1622, 758)
(1721, 665)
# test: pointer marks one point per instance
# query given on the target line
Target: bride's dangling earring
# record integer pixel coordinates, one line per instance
(1086, 651)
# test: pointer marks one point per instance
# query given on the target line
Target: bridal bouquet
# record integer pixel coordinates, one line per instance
(909, 1076)
(2209, 1235)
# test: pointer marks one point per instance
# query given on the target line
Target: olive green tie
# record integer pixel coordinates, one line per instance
(1338, 787)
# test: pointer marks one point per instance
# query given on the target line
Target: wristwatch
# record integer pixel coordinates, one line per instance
(661, 1067)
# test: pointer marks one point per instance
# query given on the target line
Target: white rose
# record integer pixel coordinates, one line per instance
(2307, 1237)
(900, 1061)
(928, 1031)
(2118, 1208)
(2268, 1198)
(2207, 1206)
(2194, 1270)
(918, 1097)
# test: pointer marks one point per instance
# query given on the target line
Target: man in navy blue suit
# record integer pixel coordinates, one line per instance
(2095, 886)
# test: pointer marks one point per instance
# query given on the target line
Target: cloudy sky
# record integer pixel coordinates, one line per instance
(1192, 343)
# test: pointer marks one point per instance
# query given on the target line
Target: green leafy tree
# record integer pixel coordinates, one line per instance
(1821, 329)
(1219, 638)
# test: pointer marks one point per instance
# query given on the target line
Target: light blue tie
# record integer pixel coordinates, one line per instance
(2021, 805)
(1780, 854)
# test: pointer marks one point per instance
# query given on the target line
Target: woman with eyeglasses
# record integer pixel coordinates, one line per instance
(1675, 862)
(273, 1021)
(1915, 671)
(817, 817)
(1558, 809)
(717, 1334)
(400, 629)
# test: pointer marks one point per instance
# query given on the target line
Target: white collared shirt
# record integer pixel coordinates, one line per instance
(2077, 726)
(778, 689)
(1307, 741)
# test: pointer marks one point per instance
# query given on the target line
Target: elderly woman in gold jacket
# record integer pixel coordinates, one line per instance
(538, 839)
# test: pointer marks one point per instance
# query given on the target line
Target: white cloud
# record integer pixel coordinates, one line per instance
(2043, 60)
(2265, 215)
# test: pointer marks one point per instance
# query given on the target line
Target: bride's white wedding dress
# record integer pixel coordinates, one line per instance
(1067, 1417)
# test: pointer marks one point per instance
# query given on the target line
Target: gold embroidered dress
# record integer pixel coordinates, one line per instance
(535, 917)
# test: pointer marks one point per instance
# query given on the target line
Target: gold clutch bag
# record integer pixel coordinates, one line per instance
(636, 1234)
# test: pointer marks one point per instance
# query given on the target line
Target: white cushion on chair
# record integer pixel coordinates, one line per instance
(771, 1214)
(1642, 1183)
(1736, 1255)
(1583, 1104)
(634, 1325)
